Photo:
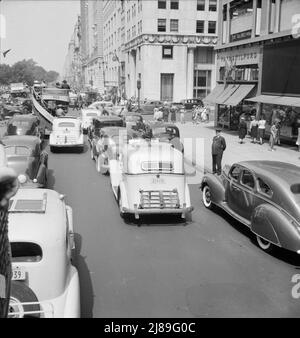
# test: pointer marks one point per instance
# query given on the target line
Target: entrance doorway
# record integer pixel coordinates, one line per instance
(166, 87)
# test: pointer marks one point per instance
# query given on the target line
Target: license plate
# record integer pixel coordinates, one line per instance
(158, 181)
(18, 273)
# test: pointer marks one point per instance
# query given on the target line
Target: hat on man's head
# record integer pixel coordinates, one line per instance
(218, 129)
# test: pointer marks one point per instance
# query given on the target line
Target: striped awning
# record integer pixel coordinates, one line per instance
(277, 100)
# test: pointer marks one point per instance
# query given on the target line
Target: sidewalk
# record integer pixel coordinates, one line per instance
(235, 152)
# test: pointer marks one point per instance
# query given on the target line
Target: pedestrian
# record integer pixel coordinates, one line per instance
(278, 133)
(182, 115)
(166, 112)
(218, 148)
(204, 115)
(298, 139)
(59, 111)
(253, 128)
(104, 110)
(261, 129)
(155, 113)
(273, 136)
(160, 114)
(242, 128)
(173, 111)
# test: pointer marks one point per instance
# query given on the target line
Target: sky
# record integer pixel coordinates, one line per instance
(38, 29)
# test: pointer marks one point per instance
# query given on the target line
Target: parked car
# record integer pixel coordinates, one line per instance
(149, 178)
(24, 125)
(41, 233)
(131, 119)
(66, 133)
(189, 103)
(108, 146)
(99, 123)
(24, 155)
(264, 196)
(147, 108)
(87, 116)
(167, 132)
(99, 105)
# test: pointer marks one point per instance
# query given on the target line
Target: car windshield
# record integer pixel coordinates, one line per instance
(17, 151)
(66, 125)
(91, 115)
(132, 118)
(20, 123)
(164, 132)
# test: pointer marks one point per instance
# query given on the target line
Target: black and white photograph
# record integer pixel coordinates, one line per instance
(150, 161)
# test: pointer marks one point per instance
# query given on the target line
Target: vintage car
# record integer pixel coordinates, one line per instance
(99, 105)
(189, 103)
(87, 116)
(44, 281)
(263, 195)
(24, 125)
(66, 133)
(167, 132)
(109, 144)
(147, 108)
(24, 155)
(99, 123)
(131, 119)
(149, 178)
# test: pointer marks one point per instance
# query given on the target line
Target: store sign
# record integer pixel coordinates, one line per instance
(239, 57)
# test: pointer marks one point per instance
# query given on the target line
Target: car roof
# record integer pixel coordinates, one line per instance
(35, 225)
(58, 120)
(274, 171)
(24, 140)
(108, 118)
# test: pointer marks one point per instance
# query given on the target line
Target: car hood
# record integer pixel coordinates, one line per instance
(21, 164)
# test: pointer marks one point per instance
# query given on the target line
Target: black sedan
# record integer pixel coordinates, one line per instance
(24, 125)
(25, 156)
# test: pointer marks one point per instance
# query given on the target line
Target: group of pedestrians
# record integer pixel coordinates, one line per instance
(200, 114)
(168, 112)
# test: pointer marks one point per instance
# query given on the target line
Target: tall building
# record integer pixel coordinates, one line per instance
(91, 12)
(167, 44)
(72, 71)
(258, 58)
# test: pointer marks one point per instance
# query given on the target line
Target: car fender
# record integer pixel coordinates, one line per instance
(122, 191)
(187, 196)
(216, 186)
(72, 300)
(272, 224)
(81, 139)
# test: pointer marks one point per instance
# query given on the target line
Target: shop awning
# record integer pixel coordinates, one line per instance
(216, 92)
(239, 95)
(228, 91)
(277, 100)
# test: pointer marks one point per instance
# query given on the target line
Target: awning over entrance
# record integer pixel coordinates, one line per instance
(230, 95)
(211, 98)
(239, 95)
(277, 100)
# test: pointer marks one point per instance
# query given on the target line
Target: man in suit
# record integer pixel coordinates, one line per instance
(218, 147)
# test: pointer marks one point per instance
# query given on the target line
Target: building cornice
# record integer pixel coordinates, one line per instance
(184, 40)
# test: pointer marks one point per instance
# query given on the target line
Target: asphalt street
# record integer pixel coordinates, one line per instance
(209, 267)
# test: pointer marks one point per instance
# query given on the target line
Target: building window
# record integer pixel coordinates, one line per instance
(212, 7)
(161, 25)
(174, 4)
(133, 31)
(162, 4)
(173, 25)
(200, 5)
(166, 87)
(202, 83)
(212, 27)
(167, 52)
(200, 26)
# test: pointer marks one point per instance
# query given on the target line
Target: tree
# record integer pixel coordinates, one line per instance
(51, 76)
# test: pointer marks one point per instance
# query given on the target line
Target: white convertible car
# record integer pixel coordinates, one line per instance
(44, 281)
(66, 133)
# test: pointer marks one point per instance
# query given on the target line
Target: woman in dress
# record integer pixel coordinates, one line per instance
(173, 113)
(261, 129)
(242, 130)
(253, 128)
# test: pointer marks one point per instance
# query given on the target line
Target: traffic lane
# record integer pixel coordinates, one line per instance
(208, 268)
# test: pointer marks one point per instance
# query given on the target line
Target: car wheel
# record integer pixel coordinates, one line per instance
(206, 197)
(21, 293)
(264, 244)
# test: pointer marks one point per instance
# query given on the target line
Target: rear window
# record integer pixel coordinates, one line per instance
(91, 114)
(26, 252)
(19, 151)
(20, 123)
(295, 188)
(66, 125)
(157, 166)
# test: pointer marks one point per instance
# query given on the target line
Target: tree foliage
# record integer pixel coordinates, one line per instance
(26, 71)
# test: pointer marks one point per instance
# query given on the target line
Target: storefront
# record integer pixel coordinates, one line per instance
(238, 73)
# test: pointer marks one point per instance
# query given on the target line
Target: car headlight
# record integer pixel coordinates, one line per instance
(22, 178)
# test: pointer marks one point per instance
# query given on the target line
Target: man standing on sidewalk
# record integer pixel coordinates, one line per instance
(218, 147)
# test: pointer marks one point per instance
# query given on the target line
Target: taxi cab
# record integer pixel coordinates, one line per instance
(45, 284)
(87, 116)
(149, 178)
(66, 133)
